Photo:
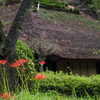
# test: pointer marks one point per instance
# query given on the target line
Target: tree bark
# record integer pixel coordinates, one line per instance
(9, 50)
(16, 28)
(2, 39)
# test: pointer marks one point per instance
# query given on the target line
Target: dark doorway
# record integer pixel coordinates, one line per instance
(50, 65)
(98, 67)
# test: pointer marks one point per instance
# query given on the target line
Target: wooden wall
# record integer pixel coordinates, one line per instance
(79, 67)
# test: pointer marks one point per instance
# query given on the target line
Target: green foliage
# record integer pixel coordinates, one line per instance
(95, 6)
(24, 52)
(76, 11)
(50, 95)
(58, 5)
(73, 10)
(53, 4)
(69, 84)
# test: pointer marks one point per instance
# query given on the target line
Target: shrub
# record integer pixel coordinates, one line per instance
(24, 52)
(58, 5)
(69, 84)
(76, 11)
(95, 8)
(51, 4)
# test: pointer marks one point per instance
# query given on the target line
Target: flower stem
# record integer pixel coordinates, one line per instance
(24, 86)
(41, 68)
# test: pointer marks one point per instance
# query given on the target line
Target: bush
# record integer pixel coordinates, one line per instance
(52, 4)
(24, 52)
(69, 84)
(95, 8)
(58, 5)
(76, 11)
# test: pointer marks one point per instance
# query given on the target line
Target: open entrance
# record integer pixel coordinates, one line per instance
(98, 67)
(51, 62)
(50, 65)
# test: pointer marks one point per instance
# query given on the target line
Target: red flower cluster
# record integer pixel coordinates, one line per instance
(39, 76)
(3, 61)
(18, 63)
(42, 62)
(22, 61)
(5, 95)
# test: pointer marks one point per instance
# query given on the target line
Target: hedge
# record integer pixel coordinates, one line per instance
(68, 84)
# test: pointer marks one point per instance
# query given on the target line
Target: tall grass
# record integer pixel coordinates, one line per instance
(51, 95)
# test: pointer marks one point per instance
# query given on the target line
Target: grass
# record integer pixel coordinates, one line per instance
(51, 95)
(57, 16)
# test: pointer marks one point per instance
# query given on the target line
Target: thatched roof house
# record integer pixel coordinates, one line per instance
(77, 43)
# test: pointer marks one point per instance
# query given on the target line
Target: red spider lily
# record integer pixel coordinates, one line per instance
(3, 61)
(22, 61)
(39, 76)
(22, 69)
(18, 63)
(5, 95)
(42, 62)
(15, 65)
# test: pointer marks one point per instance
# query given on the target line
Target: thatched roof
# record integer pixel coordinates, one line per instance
(75, 39)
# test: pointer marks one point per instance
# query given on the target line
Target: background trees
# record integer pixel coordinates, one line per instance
(95, 6)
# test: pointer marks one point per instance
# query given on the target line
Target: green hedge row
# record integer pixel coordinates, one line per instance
(52, 4)
(68, 84)
(58, 5)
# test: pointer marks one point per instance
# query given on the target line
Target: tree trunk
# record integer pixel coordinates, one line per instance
(15, 29)
(9, 51)
(2, 40)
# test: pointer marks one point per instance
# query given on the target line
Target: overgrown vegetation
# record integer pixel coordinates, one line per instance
(58, 16)
(24, 52)
(95, 6)
(22, 72)
(69, 84)
(56, 5)
(47, 85)
(52, 95)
